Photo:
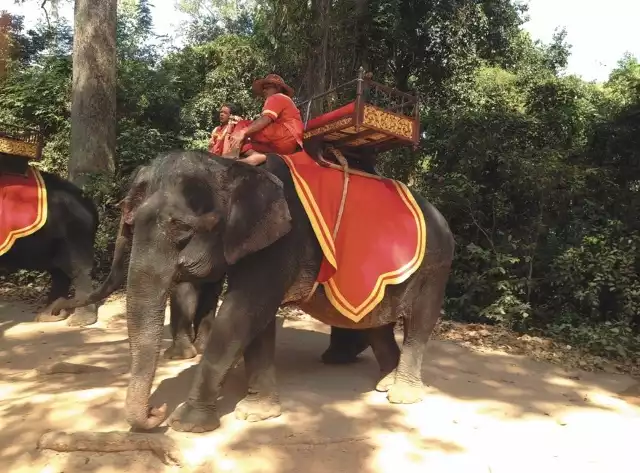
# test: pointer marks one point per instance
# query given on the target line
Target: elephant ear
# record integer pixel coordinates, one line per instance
(258, 214)
(137, 188)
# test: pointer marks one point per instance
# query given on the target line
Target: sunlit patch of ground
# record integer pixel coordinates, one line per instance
(485, 410)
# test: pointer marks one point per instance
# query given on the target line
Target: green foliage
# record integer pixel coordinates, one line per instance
(537, 172)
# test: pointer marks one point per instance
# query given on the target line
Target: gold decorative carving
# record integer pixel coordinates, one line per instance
(386, 121)
(338, 124)
(18, 148)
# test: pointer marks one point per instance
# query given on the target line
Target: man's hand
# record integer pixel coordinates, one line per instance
(236, 138)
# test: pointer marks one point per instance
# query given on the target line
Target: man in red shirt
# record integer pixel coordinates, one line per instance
(279, 128)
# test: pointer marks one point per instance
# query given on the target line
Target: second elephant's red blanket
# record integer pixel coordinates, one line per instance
(23, 206)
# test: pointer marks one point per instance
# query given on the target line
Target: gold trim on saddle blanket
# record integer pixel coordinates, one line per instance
(40, 220)
(385, 121)
(324, 236)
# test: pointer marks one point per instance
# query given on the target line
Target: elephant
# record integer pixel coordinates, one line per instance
(198, 217)
(63, 247)
(192, 303)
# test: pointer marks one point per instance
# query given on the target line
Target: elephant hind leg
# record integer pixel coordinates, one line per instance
(419, 321)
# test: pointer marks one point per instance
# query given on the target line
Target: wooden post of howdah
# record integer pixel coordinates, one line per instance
(93, 93)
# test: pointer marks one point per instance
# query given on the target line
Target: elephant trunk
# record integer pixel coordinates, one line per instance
(147, 290)
(113, 281)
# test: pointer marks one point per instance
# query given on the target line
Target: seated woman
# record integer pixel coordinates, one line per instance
(229, 119)
(279, 128)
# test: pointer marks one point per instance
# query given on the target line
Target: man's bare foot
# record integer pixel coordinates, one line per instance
(254, 158)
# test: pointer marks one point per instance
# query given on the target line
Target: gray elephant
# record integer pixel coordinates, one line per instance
(64, 247)
(198, 217)
(192, 303)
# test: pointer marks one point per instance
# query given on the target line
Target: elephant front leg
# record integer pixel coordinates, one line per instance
(183, 303)
(419, 322)
(83, 316)
(262, 400)
(239, 322)
(60, 285)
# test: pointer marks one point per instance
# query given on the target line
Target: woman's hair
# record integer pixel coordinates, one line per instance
(234, 108)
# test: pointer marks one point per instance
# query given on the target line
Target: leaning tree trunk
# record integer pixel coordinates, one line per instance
(93, 94)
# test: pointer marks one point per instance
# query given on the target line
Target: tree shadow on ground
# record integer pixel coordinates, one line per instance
(332, 419)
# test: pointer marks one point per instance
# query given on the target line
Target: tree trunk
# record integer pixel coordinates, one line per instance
(93, 94)
(317, 66)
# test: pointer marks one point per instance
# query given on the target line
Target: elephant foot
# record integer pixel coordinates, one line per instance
(401, 393)
(180, 351)
(45, 315)
(254, 408)
(200, 343)
(386, 382)
(82, 318)
(188, 418)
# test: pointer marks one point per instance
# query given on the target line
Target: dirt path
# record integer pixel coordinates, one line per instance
(485, 412)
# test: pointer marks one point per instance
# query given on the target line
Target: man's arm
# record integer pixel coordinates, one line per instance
(257, 125)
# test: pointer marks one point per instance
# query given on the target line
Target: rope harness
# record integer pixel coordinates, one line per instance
(344, 166)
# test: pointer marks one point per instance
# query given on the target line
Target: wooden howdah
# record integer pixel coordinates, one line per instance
(18, 146)
(361, 118)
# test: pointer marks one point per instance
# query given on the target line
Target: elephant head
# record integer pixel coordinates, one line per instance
(194, 216)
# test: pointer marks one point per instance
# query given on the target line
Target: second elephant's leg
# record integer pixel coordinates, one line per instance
(262, 401)
(82, 263)
(183, 302)
(60, 285)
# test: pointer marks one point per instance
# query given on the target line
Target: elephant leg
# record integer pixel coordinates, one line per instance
(183, 303)
(419, 323)
(80, 273)
(345, 345)
(239, 321)
(206, 312)
(60, 286)
(262, 401)
(387, 353)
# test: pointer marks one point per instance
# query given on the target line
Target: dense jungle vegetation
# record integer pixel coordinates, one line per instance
(537, 171)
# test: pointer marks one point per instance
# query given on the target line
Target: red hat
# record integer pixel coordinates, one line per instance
(272, 79)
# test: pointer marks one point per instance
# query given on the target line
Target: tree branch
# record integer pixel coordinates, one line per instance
(46, 14)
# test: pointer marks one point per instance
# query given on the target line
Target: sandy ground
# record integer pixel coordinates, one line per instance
(484, 412)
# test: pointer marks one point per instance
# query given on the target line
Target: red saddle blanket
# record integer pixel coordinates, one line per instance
(23, 206)
(381, 240)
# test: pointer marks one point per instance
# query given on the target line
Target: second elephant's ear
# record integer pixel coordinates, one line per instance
(258, 214)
